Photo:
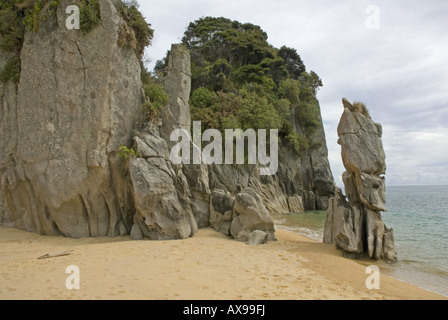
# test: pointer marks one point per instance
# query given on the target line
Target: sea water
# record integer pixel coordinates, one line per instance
(419, 217)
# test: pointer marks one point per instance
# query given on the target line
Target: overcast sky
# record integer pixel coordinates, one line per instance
(398, 66)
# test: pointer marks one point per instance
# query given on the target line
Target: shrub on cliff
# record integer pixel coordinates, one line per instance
(156, 99)
(89, 15)
(11, 70)
(142, 31)
(18, 16)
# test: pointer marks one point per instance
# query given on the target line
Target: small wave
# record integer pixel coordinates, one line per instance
(406, 261)
(303, 232)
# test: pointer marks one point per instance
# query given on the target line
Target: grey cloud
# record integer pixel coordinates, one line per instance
(400, 71)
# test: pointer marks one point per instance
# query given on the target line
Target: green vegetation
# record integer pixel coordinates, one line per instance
(360, 107)
(240, 81)
(18, 16)
(156, 99)
(12, 29)
(89, 15)
(142, 30)
(124, 155)
(36, 11)
(11, 70)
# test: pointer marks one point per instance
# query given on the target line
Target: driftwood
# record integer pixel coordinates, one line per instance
(54, 255)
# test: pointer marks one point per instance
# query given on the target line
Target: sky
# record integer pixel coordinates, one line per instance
(390, 54)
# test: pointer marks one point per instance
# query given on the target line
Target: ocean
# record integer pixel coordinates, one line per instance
(419, 217)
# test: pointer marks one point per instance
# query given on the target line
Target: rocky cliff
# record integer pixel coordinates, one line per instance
(79, 99)
(301, 183)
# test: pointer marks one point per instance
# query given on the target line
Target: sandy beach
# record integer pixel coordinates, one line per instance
(209, 266)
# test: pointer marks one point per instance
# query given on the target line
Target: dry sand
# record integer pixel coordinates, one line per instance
(208, 266)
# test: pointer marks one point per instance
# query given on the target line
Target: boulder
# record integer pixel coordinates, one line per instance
(250, 214)
(221, 211)
(361, 144)
(375, 229)
(136, 232)
(162, 213)
(389, 251)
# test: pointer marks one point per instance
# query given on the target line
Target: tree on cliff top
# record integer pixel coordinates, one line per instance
(239, 80)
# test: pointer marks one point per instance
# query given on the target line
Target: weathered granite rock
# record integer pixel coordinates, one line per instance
(177, 85)
(221, 211)
(197, 178)
(250, 214)
(59, 173)
(389, 251)
(301, 183)
(160, 214)
(344, 225)
(172, 201)
(318, 181)
(361, 144)
(356, 226)
(136, 232)
(176, 115)
(78, 100)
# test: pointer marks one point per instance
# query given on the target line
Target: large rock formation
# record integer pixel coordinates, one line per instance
(78, 100)
(221, 210)
(161, 191)
(301, 183)
(244, 217)
(172, 201)
(355, 226)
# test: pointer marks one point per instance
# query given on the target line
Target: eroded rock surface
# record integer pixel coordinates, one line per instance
(62, 125)
(355, 226)
(78, 100)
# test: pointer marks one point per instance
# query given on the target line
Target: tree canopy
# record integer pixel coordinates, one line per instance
(239, 80)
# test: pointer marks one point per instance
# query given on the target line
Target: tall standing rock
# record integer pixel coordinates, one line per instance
(78, 100)
(355, 226)
(177, 84)
(176, 115)
(171, 201)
